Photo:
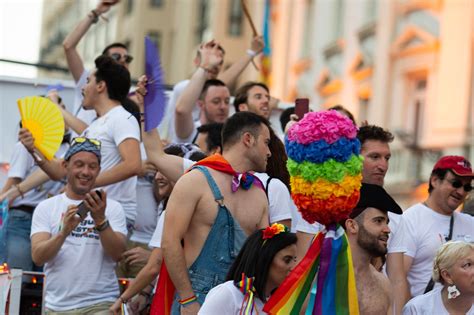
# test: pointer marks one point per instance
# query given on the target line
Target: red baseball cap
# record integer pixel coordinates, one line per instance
(457, 164)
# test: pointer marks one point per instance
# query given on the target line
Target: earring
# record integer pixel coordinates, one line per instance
(453, 292)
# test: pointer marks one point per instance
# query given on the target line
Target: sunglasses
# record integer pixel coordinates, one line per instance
(95, 142)
(458, 184)
(117, 57)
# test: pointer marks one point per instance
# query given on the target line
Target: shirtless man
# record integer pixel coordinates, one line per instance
(214, 222)
(367, 231)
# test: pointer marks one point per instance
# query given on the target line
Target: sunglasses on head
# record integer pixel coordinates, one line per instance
(458, 184)
(117, 57)
(95, 142)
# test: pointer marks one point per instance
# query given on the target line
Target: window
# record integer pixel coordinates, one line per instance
(129, 6)
(156, 3)
(235, 18)
(203, 21)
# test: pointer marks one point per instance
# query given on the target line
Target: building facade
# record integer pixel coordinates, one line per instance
(406, 65)
(176, 26)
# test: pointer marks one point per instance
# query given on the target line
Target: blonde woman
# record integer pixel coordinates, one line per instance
(453, 267)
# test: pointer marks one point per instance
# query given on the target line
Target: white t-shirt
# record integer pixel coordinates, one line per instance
(227, 299)
(86, 116)
(304, 226)
(158, 234)
(147, 209)
(81, 274)
(420, 234)
(430, 303)
(167, 125)
(279, 198)
(112, 129)
(22, 165)
(394, 221)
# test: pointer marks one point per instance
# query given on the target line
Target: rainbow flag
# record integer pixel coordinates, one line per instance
(265, 69)
(328, 253)
(163, 299)
(325, 169)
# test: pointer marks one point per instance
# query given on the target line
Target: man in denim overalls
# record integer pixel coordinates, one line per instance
(213, 216)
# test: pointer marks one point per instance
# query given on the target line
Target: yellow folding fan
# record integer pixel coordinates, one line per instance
(44, 120)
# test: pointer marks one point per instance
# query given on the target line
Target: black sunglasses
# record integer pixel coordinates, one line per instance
(118, 57)
(458, 184)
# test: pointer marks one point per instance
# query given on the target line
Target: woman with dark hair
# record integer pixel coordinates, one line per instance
(264, 261)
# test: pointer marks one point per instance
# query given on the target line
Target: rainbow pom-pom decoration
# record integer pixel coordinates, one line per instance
(325, 166)
(325, 169)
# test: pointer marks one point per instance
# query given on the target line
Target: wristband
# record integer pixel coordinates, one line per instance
(251, 53)
(145, 294)
(188, 301)
(122, 300)
(94, 17)
(102, 226)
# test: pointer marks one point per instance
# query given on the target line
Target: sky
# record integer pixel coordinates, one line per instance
(20, 27)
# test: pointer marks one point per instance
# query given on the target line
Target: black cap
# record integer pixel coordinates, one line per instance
(374, 196)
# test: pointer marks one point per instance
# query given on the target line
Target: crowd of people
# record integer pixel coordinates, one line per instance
(206, 198)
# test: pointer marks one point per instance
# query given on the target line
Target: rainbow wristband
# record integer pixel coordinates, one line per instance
(188, 301)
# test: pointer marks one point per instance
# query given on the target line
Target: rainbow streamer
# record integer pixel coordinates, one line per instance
(325, 169)
(330, 256)
(265, 69)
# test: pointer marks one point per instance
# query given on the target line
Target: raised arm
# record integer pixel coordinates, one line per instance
(211, 57)
(74, 60)
(171, 166)
(180, 210)
(231, 74)
(53, 168)
(129, 166)
(69, 119)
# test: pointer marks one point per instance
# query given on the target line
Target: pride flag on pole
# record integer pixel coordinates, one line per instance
(265, 70)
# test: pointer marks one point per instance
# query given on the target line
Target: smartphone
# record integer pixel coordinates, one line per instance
(301, 107)
(83, 209)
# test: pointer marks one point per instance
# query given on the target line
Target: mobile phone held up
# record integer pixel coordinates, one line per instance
(301, 107)
(83, 209)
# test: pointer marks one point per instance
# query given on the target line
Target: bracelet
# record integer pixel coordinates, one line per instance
(145, 294)
(205, 69)
(22, 194)
(94, 17)
(251, 53)
(123, 300)
(102, 226)
(188, 301)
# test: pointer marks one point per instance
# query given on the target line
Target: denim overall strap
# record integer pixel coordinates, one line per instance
(219, 250)
(212, 184)
(220, 201)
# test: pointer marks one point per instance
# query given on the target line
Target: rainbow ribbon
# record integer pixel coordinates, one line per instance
(329, 252)
(245, 285)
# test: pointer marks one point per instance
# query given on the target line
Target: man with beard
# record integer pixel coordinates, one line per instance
(213, 208)
(367, 231)
(253, 97)
(425, 226)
